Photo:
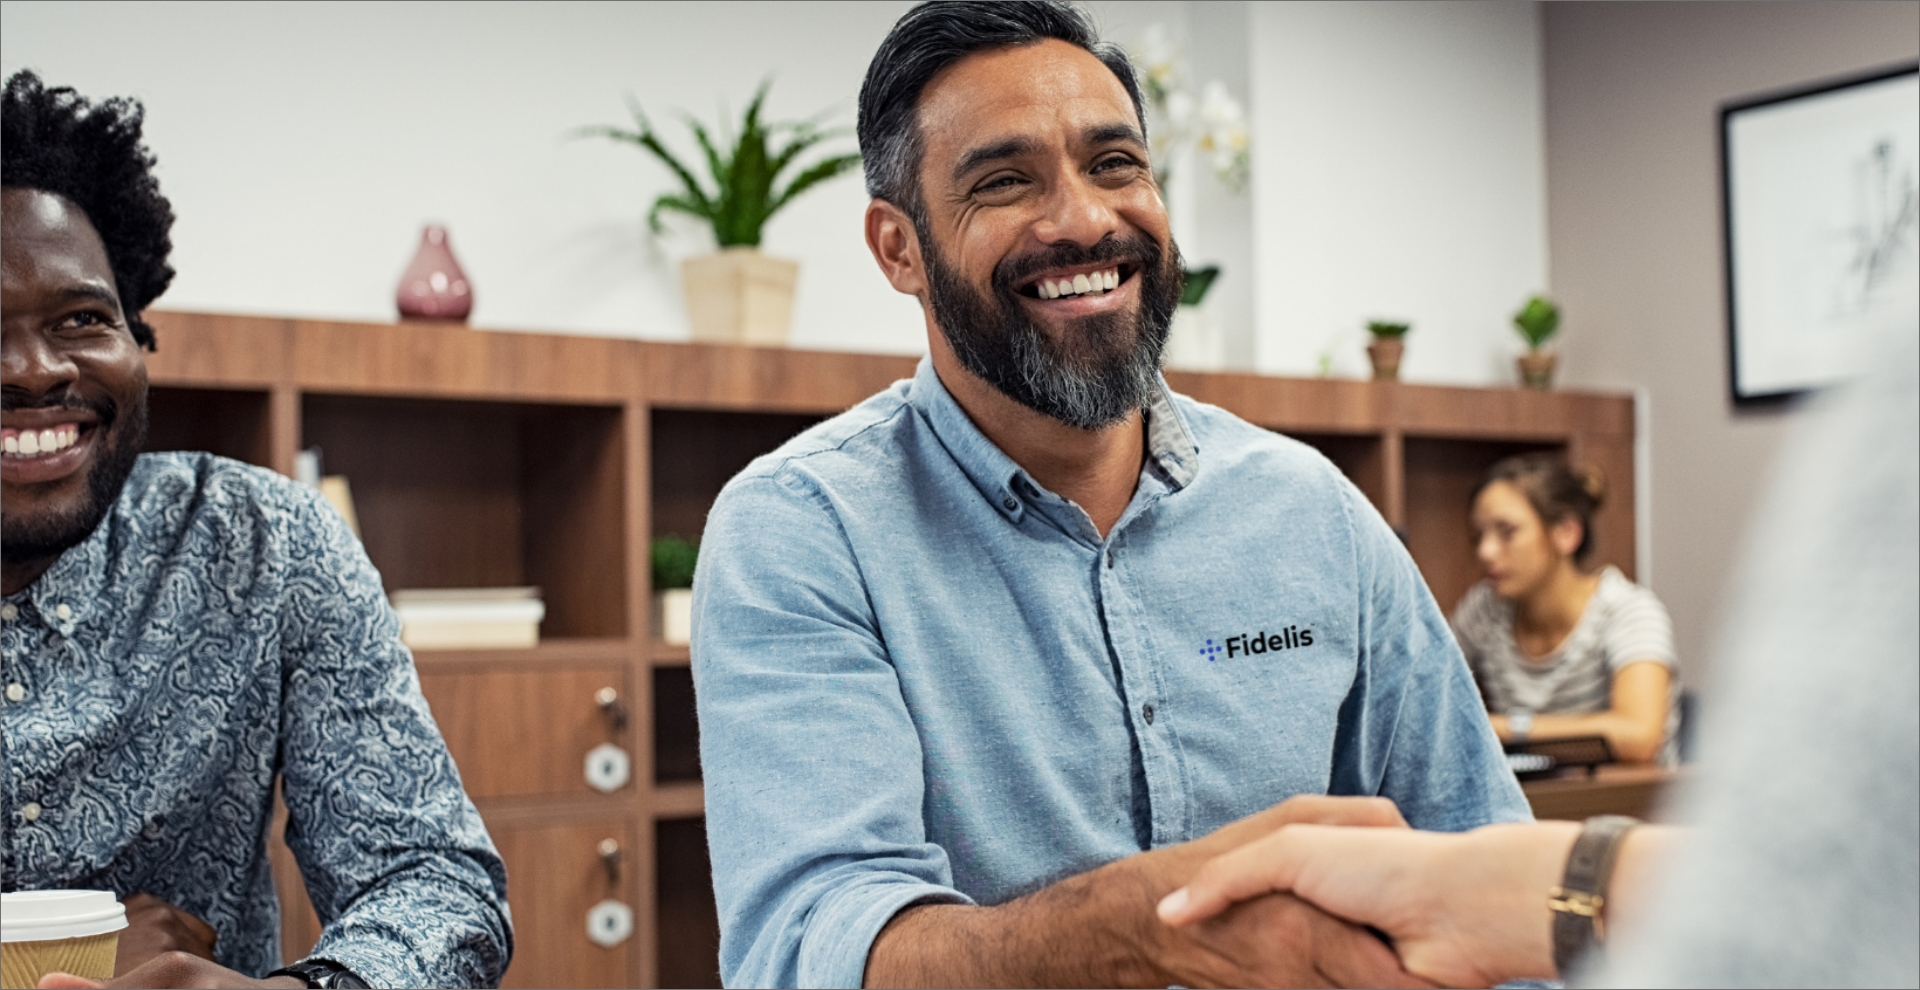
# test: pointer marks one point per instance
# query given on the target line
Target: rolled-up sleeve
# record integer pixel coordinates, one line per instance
(397, 862)
(812, 765)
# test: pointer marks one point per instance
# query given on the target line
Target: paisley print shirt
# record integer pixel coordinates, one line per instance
(220, 628)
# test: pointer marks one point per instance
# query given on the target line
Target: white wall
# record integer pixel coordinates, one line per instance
(303, 145)
(1397, 159)
(1399, 173)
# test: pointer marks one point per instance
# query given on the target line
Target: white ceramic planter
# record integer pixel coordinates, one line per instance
(1196, 341)
(740, 296)
(673, 615)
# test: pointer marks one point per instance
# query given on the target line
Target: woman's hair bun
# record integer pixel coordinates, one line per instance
(1593, 481)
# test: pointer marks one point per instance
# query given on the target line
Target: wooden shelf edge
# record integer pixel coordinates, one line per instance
(550, 652)
(670, 654)
(687, 799)
(550, 809)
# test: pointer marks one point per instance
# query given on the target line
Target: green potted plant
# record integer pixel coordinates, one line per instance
(1388, 346)
(737, 294)
(673, 562)
(1537, 321)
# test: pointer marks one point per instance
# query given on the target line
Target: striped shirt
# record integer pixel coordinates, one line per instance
(1623, 623)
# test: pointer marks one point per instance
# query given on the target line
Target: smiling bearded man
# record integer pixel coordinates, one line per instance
(993, 661)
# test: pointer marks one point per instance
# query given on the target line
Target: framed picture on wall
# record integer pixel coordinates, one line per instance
(1821, 205)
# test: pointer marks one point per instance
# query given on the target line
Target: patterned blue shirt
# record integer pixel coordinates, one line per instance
(922, 676)
(221, 627)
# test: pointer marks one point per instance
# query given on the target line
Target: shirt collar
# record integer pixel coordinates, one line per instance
(1007, 485)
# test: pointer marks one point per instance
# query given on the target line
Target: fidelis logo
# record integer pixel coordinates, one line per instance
(1289, 638)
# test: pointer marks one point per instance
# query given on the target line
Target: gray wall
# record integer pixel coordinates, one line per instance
(1634, 238)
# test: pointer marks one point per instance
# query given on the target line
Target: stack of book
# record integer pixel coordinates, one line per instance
(469, 618)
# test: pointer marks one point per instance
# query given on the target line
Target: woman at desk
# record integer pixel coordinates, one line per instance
(1559, 651)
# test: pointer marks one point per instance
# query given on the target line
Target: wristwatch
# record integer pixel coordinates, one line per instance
(1579, 902)
(1519, 724)
(322, 973)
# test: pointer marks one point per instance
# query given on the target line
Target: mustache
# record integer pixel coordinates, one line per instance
(1134, 249)
(105, 409)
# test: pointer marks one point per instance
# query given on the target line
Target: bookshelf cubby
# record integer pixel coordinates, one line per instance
(492, 458)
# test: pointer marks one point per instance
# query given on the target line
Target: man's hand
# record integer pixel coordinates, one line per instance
(1099, 928)
(172, 969)
(155, 927)
(1277, 940)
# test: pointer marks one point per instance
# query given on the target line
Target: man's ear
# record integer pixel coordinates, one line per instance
(895, 245)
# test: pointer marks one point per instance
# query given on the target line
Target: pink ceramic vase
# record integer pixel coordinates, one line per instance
(434, 287)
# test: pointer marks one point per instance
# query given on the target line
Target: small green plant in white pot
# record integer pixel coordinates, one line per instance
(1389, 345)
(1537, 321)
(673, 562)
(737, 294)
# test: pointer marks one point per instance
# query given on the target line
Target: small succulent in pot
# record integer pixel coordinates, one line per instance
(1388, 346)
(1537, 321)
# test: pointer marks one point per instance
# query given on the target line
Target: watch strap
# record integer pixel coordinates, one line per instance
(1579, 902)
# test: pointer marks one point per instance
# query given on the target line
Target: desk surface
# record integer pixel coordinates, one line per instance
(1613, 790)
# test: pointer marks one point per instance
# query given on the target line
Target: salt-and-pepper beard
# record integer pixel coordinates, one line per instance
(1100, 370)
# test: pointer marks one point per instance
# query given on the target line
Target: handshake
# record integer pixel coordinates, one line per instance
(1339, 891)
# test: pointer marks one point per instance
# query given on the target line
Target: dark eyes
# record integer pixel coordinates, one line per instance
(84, 320)
(1113, 166)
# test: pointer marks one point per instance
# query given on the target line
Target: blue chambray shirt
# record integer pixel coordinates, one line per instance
(219, 627)
(922, 677)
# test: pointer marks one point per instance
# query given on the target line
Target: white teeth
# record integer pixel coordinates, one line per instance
(1079, 285)
(12, 445)
(29, 443)
(49, 441)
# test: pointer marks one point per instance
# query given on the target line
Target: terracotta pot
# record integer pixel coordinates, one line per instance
(740, 296)
(1385, 353)
(434, 287)
(1536, 369)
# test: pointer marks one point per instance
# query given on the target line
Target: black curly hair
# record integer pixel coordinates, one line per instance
(56, 141)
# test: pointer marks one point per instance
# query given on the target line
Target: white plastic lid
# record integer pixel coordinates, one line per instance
(44, 915)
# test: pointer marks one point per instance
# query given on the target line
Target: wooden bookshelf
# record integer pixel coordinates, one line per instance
(491, 458)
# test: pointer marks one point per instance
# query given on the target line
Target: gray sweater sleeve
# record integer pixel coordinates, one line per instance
(1805, 868)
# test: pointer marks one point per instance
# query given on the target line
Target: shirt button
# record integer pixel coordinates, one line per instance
(15, 692)
(31, 811)
(64, 611)
(9, 612)
(1109, 558)
(1146, 712)
(1010, 504)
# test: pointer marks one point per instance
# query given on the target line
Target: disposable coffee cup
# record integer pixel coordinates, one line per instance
(58, 931)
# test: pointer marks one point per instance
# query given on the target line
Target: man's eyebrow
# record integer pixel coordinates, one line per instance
(93, 291)
(1109, 133)
(1016, 146)
(1009, 148)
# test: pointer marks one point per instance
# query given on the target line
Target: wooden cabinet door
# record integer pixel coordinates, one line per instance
(556, 876)
(527, 733)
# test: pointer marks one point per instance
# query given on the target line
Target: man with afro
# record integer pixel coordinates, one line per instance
(182, 631)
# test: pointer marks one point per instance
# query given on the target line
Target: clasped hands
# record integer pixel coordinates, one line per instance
(1460, 909)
